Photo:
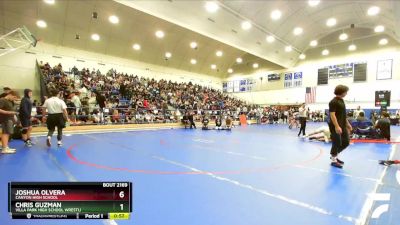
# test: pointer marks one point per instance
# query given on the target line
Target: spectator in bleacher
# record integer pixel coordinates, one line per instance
(76, 101)
(25, 112)
(7, 119)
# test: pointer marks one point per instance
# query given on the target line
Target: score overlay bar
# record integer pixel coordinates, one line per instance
(70, 200)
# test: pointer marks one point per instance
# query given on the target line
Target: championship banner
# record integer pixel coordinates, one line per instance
(288, 80)
(298, 79)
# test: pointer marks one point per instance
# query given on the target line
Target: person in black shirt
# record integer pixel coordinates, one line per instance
(25, 111)
(191, 121)
(101, 100)
(383, 125)
(185, 119)
(339, 126)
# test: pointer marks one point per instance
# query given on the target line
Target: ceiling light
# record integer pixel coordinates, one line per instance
(239, 60)
(246, 25)
(276, 14)
(95, 37)
(50, 2)
(270, 39)
(136, 47)
(211, 6)
(352, 47)
(325, 52)
(255, 65)
(288, 48)
(383, 41)
(193, 61)
(193, 45)
(160, 34)
(230, 70)
(313, 43)
(219, 53)
(373, 10)
(379, 29)
(313, 3)
(331, 22)
(113, 19)
(297, 31)
(302, 56)
(213, 66)
(168, 55)
(41, 24)
(343, 36)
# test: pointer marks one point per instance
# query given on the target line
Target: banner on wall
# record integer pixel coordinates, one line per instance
(244, 85)
(384, 69)
(298, 79)
(288, 83)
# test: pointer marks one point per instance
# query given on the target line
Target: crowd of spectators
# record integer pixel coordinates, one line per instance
(130, 98)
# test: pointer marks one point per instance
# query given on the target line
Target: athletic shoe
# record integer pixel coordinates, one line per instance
(337, 165)
(28, 143)
(8, 150)
(386, 162)
(339, 161)
(48, 142)
(59, 143)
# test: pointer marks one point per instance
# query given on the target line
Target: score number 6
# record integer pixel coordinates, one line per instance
(122, 195)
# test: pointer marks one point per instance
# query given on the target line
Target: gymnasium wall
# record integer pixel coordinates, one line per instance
(17, 70)
(361, 93)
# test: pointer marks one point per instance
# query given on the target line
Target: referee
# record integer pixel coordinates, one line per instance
(57, 110)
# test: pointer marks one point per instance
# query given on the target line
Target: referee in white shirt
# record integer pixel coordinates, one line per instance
(57, 110)
(303, 119)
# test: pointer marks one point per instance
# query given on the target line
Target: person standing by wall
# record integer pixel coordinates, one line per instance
(25, 111)
(303, 119)
(57, 110)
(338, 125)
(7, 120)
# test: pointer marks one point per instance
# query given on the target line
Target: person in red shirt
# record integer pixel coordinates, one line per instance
(145, 104)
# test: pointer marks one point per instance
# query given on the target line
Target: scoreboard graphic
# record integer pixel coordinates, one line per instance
(382, 98)
(70, 200)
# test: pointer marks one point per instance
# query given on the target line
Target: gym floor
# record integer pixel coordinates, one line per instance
(257, 174)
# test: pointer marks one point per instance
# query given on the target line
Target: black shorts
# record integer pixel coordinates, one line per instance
(25, 121)
(55, 120)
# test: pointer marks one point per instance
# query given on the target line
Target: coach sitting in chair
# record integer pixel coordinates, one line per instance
(361, 117)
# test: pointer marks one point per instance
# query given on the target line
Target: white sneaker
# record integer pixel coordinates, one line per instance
(59, 143)
(8, 150)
